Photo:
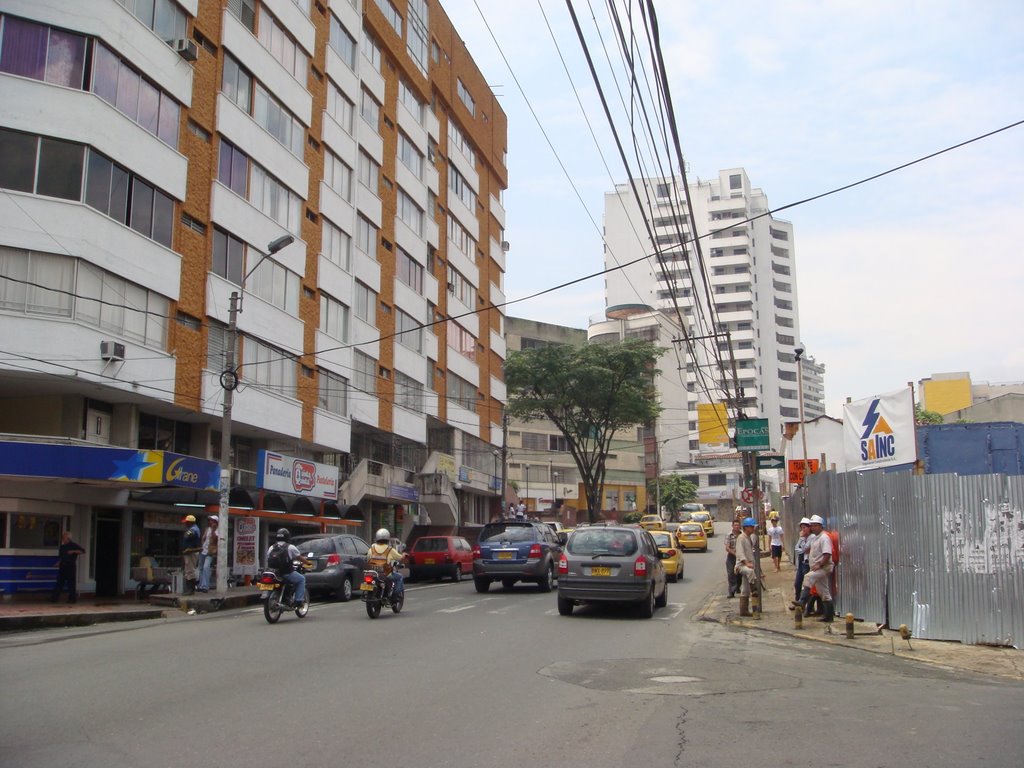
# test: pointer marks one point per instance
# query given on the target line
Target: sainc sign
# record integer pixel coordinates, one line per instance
(879, 431)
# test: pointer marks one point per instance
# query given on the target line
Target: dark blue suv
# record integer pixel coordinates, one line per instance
(515, 550)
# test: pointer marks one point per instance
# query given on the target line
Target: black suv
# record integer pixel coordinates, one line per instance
(513, 550)
(338, 562)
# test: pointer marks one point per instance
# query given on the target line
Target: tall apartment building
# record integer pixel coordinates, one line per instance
(752, 288)
(150, 151)
(814, 388)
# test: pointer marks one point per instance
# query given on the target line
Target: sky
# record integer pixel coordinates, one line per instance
(916, 273)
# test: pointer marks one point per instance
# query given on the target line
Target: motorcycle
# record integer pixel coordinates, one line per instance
(372, 590)
(278, 595)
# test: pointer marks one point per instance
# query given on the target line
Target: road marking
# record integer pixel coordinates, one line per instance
(675, 609)
(456, 609)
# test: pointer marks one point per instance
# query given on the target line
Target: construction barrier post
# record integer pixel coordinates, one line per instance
(849, 626)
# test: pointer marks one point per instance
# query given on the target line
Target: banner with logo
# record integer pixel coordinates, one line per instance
(277, 472)
(879, 431)
(246, 558)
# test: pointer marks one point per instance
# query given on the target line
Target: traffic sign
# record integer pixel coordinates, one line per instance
(800, 468)
(771, 462)
(749, 495)
(752, 435)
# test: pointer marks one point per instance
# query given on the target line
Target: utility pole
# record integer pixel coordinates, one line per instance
(504, 463)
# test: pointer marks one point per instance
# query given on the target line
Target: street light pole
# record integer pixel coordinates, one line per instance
(554, 480)
(798, 354)
(526, 471)
(229, 382)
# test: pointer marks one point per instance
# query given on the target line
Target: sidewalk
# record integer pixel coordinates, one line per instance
(25, 614)
(775, 617)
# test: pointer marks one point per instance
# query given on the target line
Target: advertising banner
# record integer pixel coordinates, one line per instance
(277, 472)
(879, 431)
(246, 558)
(713, 424)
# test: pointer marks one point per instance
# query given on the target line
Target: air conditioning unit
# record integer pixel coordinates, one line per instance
(451, 287)
(185, 48)
(111, 350)
(504, 246)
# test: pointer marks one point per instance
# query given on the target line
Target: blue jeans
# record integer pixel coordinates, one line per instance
(397, 583)
(298, 582)
(204, 568)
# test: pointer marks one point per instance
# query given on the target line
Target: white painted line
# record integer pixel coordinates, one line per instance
(455, 609)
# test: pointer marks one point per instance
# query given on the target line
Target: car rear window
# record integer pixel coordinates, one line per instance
(691, 527)
(431, 545)
(316, 546)
(663, 539)
(700, 516)
(506, 532)
(598, 541)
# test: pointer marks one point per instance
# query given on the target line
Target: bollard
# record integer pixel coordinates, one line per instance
(849, 626)
(798, 617)
(906, 634)
(755, 602)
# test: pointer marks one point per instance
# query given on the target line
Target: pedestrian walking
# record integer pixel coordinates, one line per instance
(67, 569)
(745, 563)
(800, 552)
(191, 545)
(730, 558)
(820, 559)
(208, 552)
(775, 540)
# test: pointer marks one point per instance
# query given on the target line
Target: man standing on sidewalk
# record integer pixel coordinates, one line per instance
(190, 548)
(775, 538)
(67, 569)
(745, 564)
(730, 558)
(820, 559)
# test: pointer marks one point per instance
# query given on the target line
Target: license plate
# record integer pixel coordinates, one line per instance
(428, 561)
(504, 555)
(366, 587)
(600, 570)
(266, 587)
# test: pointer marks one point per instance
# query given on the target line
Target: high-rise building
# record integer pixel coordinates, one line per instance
(748, 301)
(151, 151)
(814, 388)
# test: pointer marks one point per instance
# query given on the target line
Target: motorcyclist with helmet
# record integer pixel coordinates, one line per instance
(381, 556)
(294, 576)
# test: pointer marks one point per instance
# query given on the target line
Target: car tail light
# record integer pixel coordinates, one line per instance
(535, 553)
(563, 565)
(333, 560)
(671, 553)
(476, 552)
(640, 566)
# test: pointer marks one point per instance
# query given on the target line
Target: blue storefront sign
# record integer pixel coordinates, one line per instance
(403, 492)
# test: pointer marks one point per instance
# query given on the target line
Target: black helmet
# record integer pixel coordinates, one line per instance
(283, 534)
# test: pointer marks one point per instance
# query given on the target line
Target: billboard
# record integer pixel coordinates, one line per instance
(713, 424)
(289, 474)
(879, 431)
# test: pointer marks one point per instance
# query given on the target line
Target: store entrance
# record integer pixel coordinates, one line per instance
(108, 553)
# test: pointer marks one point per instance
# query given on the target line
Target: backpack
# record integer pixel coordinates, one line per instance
(278, 559)
(379, 562)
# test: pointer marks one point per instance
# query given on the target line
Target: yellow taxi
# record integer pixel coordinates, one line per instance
(652, 523)
(672, 556)
(704, 518)
(692, 536)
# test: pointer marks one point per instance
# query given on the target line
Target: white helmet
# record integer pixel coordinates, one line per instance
(805, 521)
(817, 520)
(382, 534)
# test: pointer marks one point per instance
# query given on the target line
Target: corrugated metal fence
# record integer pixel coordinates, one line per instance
(943, 554)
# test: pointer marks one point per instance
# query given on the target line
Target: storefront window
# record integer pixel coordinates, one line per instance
(611, 499)
(35, 531)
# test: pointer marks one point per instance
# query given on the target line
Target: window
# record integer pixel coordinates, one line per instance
(276, 284)
(113, 304)
(409, 271)
(39, 283)
(458, 186)
(735, 182)
(461, 288)
(458, 140)
(412, 102)
(662, 190)
(340, 107)
(338, 175)
(369, 172)
(275, 200)
(337, 245)
(461, 392)
(281, 45)
(366, 236)
(233, 168)
(164, 17)
(333, 317)
(459, 237)
(371, 50)
(409, 212)
(461, 340)
(778, 234)
(408, 392)
(268, 367)
(228, 256)
(410, 156)
(369, 110)
(342, 43)
(409, 331)
(273, 117)
(364, 377)
(391, 14)
(245, 12)
(365, 303)
(465, 96)
(236, 84)
(333, 395)
(417, 33)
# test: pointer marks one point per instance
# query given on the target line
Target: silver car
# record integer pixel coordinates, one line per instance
(620, 564)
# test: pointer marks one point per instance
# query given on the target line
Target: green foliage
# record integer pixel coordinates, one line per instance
(589, 393)
(632, 517)
(675, 491)
(921, 416)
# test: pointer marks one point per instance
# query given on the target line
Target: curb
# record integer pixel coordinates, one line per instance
(46, 621)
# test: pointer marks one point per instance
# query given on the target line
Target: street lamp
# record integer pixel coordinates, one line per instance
(554, 480)
(229, 382)
(526, 474)
(798, 354)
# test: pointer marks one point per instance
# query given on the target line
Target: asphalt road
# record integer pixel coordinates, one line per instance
(464, 679)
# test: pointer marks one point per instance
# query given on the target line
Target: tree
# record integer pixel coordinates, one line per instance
(589, 393)
(675, 491)
(921, 416)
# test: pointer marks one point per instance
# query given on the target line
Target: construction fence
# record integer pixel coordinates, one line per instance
(943, 554)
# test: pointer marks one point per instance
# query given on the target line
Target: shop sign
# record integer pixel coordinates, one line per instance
(406, 492)
(277, 472)
(247, 531)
